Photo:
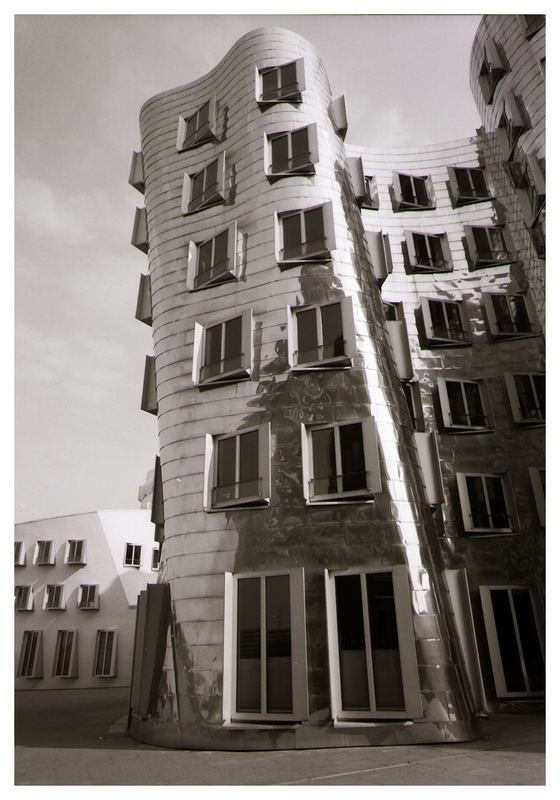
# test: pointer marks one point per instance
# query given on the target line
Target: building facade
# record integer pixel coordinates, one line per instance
(77, 583)
(348, 381)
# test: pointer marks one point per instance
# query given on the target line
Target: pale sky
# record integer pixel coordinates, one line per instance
(82, 442)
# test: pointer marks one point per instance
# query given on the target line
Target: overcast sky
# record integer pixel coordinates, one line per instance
(82, 442)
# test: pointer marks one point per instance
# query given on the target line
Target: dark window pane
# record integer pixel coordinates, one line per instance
(278, 644)
(211, 184)
(280, 154)
(300, 148)
(288, 78)
(333, 336)
(477, 502)
(437, 258)
(503, 311)
(203, 115)
(439, 322)
(307, 336)
(482, 243)
(314, 232)
(454, 321)
(519, 315)
(407, 191)
(351, 643)
(387, 675)
(539, 384)
(530, 644)
(479, 183)
(324, 462)
(463, 182)
(507, 643)
(191, 127)
(527, 400)
(423, 254)
(456, 403)
(227, 449)
(497, 501)
(499, 250)
(197, 188)
(421, 192)
(352, 457)
(213, 351)
(474, 405)
(232, 344)
(291, 227)
(221, 251)
(270, 84)
(249, 644)
(249, 464)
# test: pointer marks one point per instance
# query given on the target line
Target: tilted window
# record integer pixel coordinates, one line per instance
(105, 658)
(489, 246)
(510, 316)
(197, 128)
(428, 252)
(238, 469)
(464, 406)
(374, 671)
(445, 322)
(291, 152)
(54, 597)
(527, 397)
(512, 124)
(19, 554)
(66, 655)
(264, 620)
(467, 185)
(88, 597)
(30, 663)
(492, 69)
(340, 461)
(486, 503)
(205, 188)
(305, 235)
(223, 352)
(213, 261)
(413, 192)
(321, 337)
(76, 551)
(132, 555)
(44, 553)
(24, 598)
(281, 83)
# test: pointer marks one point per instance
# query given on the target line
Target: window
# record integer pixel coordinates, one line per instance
(155, 558)
(321, 337)
(428, 252)
(148, 401)
(54, 597)
(492, 69)
(467, 185)
(105, 659)
(223, 352)
(538, 484)
(136, 175)
(489, 246)
(238, 469)
(66, 655)
(139, 237)
(197, 128)
(413, 192)
(213, 261)
(393, 311)
(510, 316)
(144, 300)
(281, 83)
(485, 503)
(464, 406)
(338, 116)
(266, 677)
(364, 186)
(132, 555)
(44, 553)
(305, 235)
(340, 461)
(513, 122)
(414, 403)
(19, 554)
(515, 640)
(24, 598)
(374, 672)
(445, 322)
(204, 188)
(379, 248)
(30, 663)
(88, 597)
(76, 551)
(531, 23)
(291, 152)
(527, 398)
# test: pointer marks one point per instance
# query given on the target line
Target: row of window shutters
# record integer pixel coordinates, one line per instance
(75, 554)
(65, 661)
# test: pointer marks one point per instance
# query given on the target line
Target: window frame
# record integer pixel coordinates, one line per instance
(41, 560)
(226, 377)
(201, 135)
(492, 70)
(24, 597)
(112, 673)
(348, 330)
(59, 597)
(410, 205)
(133, 555)
(414, 258)
(262, 500)
(476, 261)
(291, 97)
(466, 512)
(513, 396)
(371, 463)
(69, 666)
(155, 566)
(217, 197)
(300, 708)
(321, 255)
(406, 639)
(30, 664)
(460, 199)
(81, 558)
(312, 146)
(92, 605)
(442, 341)
(492, 317)
(447, 417)
(19, 553)
(230, 272)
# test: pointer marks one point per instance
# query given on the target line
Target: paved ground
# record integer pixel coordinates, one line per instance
(77, 737)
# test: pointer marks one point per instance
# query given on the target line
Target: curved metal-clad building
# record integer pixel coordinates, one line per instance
(339, 467)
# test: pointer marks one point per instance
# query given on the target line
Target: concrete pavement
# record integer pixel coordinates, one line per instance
(77, 737)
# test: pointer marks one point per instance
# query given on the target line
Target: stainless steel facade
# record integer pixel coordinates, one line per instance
(410, 527)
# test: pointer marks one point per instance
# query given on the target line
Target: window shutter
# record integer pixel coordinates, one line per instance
(313, 143)
(140, 230)
(277, 237)
(411, 250)
(222, 175)
(357, 179)
(149, 393)
(536, 173)
(464, 502)
(73, 667)
(397, 188)
(490, 313)
(291, 320)
(157, 516)
(347, 311)
(446, 252)
(258, 85)
(531, 313)
(405, 629)
(212, 119)
(264, 459)
(144, 300)
(328, 226)
(471, 245)
(192, 258)
(300, 73)
(509, 243)
(232, 249)
(247, 340)
(427, 317)
(186, 194)
(514, 111)
(388, 256)
(376, 249)
(136, 175)
(513, 398)
(444, 403)
(453, 186)
(339, 116)
(299, 650)
(538, 493)
(431, 192)
(493, 56)
(209, 469)
(181, 133)
(229, 644)
(398, 338)
(197, 359)
(465, 320)
(267, 155)
(305, 460)
(371, 454)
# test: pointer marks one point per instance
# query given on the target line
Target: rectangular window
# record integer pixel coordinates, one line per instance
(198, 128)
(467, 185)
(413, 192)
(132, 555)
(374, 672)
(485, 503)
(76, 551)
(445, 322)
(464, 406)
(19, 554)
(393, 311)
(66, 655)
(223, 352)
(489, 246)
(321, 337)
(292, 152)
(239, 469)
(88, 597)
(105, 658)
(527, 397)
(213, 261)
(267, 630)
(305, 235)
(282, 83)
(24, 598)
(204, 188)
(54, 597)
(510, 316)
(341, 461)
(428, 252)
(515, 640)
(155, 558)
(492, 69)
(44, 553)
(30, 663)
